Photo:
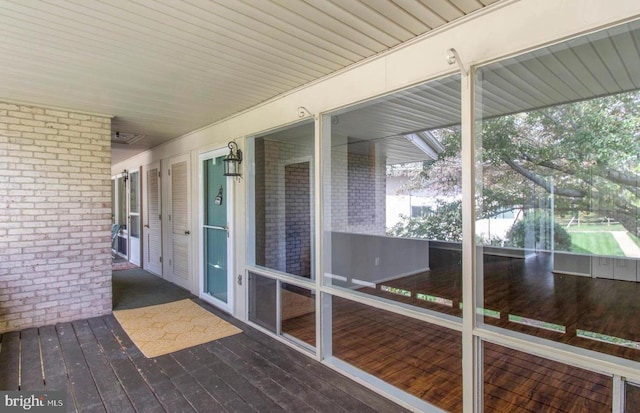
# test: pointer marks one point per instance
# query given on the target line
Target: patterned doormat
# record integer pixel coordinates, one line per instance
(165, 328)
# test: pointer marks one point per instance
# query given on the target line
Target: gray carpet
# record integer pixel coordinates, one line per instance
(139, 288)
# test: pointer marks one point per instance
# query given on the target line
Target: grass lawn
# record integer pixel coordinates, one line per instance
(597, 228)
(599, 243)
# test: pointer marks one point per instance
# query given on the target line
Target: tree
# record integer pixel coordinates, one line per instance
(531, 224)
(445, 224)
(585, 155)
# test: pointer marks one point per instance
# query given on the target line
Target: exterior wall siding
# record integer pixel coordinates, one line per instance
(55, 196)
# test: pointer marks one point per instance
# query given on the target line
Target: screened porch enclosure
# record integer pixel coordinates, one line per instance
(556, 229)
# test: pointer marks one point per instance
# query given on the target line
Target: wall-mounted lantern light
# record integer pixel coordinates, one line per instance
(233, 160)
(125, 175)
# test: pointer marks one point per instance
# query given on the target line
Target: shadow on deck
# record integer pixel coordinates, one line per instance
(102, 370)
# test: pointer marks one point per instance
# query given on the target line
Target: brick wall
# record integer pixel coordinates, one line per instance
(298, 218)
(358, 191)
(55, 198)
(271, 219)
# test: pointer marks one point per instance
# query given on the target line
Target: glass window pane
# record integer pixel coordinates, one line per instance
(558, 199)
(392, 203)
(632, 398)
(298, 313)
(134, 190)
(214, 192)
(215, 263)
(422, 359)
(262, 301)
(283, 200)
(517, 381)
(121, 211)
(134, 231)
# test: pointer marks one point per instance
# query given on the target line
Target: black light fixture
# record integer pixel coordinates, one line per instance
(125, 175)
(233, 160)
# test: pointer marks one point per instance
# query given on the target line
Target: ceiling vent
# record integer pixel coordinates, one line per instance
(125, 138)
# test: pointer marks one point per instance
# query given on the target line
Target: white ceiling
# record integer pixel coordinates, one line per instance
(601, 63)
(163, 68)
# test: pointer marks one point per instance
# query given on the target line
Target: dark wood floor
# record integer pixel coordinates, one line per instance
(426, 360)
(529, 289)
(102, 371)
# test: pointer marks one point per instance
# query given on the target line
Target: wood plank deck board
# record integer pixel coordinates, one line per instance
(294, 385)
(10, 361)
(207, 377)
(30, 361)
(350, 395)
(245, 390)
(112, 393)
(53, 366)
(85, 392)
(197, 396)
(103, 371)
(260, 380)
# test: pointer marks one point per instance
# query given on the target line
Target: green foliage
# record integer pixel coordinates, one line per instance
(445, 224)
(536, 224)
(584, 154)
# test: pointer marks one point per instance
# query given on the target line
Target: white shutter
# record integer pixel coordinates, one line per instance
(180, 221)
(154, 232)
(179, 199)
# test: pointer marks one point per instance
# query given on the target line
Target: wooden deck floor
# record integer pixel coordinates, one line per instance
(570, 308)
(102, 371)
(426, 360)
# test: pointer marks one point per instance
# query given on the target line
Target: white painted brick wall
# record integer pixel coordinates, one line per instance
(55, 216)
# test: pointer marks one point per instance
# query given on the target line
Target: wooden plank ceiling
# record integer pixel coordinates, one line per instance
(166, 67)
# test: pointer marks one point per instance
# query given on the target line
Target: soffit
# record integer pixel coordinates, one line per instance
(163, 68)
(600, 64)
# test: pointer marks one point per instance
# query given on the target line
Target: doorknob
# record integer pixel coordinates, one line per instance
(187, 232)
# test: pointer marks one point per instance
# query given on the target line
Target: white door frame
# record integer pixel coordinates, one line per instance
(228, 199)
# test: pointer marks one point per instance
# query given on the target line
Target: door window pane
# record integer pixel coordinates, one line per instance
(134, 191)
(134, 230)
(134, 204)
(121, 200)
(558, 150)
(215, 242)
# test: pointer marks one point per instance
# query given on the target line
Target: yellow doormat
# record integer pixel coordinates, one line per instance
(165, 328)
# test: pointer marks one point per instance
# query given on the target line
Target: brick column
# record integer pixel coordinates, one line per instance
(55, 216)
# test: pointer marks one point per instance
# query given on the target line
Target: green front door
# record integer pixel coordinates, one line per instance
(215, 230)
